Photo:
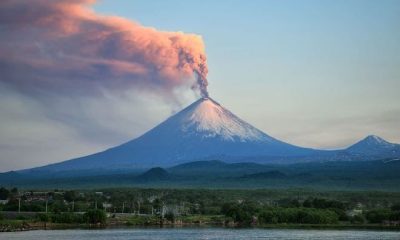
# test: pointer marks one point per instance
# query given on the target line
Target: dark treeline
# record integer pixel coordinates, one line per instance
(92, 216)
(241, 207)
(311, 211)
(381, 175)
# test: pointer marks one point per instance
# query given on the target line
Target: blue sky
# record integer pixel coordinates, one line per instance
(314, 73)
(320, 74)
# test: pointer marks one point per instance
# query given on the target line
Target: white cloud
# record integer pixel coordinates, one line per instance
(38, 131)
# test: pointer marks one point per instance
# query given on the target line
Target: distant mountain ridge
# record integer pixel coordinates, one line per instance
(154, 174)
(205, 131)
(334, 175)
(375, 146)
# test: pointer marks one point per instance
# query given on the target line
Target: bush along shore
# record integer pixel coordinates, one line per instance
(59, 209)
(27, 221)
(235, 215)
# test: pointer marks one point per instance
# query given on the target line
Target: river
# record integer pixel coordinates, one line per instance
(200, 233)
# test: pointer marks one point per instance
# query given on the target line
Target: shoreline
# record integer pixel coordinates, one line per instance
(22, 225)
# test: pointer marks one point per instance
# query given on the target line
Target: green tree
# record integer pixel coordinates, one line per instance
(240, 212)
(322, 203)
(395, 207)
(378, 215)
(4, 193)
(268, 216)
(70, 196)
(357, 219)
(170, 216)
(395, 216)
(43, 217)
(96, 216)
(13, 193)
(59, 206)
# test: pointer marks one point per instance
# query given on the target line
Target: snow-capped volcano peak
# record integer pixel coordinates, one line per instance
(374, 145)
(210, 119)
(373, 139)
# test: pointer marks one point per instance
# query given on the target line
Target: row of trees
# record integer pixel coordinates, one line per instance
(298, 215)
(202, 202)
(313, 211)
(94, 216)
(248, 212)
(383, 214)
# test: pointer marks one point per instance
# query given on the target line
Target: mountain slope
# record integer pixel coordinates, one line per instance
(202, 131)
(374, 146)
(340, 175)
(154, 174)
(207, 131)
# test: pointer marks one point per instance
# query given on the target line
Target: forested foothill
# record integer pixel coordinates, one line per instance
(137, 206)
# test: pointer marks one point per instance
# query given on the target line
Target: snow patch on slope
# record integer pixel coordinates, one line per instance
(210, 119)
(375, 140)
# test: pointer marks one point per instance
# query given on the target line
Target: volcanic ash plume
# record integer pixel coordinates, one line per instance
(64, 46)
(202, 77)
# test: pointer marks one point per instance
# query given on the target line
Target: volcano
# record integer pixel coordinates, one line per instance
(375, 147)
(202, 131)
(207, 131)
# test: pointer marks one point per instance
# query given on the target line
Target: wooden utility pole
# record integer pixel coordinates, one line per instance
(163, 211)
(19, 204)
(47, 200)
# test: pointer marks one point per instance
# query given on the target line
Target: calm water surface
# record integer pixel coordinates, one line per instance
(200, 233)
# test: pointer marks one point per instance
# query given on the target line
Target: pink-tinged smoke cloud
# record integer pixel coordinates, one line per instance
(64, 46)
